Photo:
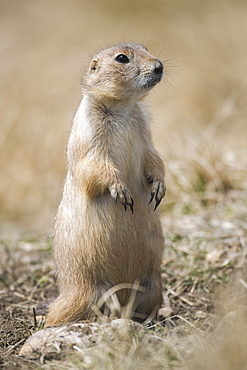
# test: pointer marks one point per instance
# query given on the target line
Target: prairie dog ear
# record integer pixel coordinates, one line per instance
(94, 66)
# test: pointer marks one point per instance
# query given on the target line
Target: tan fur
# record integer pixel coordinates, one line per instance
(111, 160)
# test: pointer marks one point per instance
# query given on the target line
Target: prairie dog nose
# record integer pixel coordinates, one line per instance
(158, 67)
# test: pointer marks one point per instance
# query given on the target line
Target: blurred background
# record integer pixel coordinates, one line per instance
(199, 110)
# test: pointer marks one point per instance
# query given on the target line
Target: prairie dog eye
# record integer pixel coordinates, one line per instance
(121, 58)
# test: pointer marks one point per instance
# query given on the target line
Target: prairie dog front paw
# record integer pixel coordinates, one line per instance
(122, 194)
(158, 190)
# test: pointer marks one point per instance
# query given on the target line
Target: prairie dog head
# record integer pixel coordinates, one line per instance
(122, 72)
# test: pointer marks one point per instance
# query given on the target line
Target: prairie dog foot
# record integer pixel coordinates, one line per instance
(158, 190)
(122, 193)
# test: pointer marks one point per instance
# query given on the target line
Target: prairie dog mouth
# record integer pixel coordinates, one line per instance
(152, 80)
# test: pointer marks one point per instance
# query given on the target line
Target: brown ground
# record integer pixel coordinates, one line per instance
(24, 281)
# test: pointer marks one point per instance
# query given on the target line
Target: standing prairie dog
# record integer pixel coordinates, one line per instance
(107, 237)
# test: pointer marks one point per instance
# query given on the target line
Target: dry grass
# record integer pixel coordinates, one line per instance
(199, 125)
(205, 280)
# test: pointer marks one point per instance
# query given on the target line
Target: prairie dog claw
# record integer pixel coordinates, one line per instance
(123, 195)
(158, 192)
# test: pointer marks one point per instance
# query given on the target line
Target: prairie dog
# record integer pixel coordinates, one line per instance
(107, 237)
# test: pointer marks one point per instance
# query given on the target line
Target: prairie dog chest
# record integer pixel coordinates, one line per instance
(124, 139)
(115, 133)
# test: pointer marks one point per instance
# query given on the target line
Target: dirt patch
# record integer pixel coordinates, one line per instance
(26, 280)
